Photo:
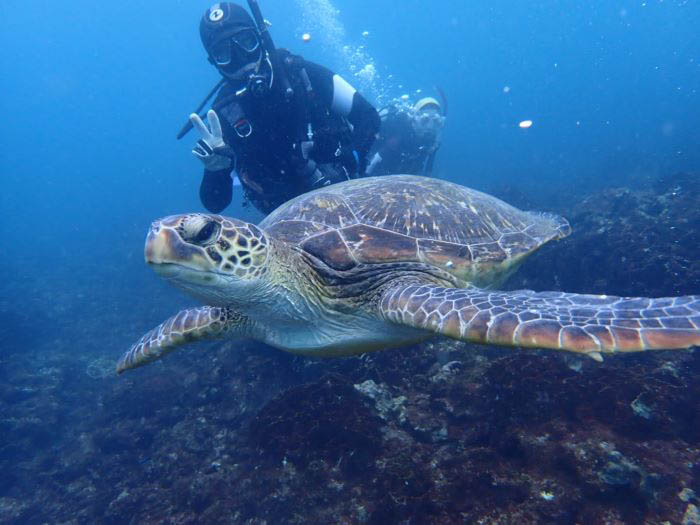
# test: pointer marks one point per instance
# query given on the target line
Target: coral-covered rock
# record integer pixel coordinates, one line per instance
(326, 420)
(626, 241)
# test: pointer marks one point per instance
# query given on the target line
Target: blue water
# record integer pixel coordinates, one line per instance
(93, 94)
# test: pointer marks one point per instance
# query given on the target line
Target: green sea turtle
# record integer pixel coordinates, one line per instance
(381, 262)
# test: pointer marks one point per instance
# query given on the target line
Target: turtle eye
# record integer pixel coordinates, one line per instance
(206, 234)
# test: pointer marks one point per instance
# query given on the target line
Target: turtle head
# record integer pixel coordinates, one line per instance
(212, 257)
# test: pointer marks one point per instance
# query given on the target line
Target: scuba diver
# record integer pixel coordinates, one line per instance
(409, 138)
(285, 125)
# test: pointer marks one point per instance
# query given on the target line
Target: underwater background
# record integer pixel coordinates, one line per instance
(445, 432)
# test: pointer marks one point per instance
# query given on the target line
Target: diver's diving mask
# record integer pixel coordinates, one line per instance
(428, 122)
(236, 49)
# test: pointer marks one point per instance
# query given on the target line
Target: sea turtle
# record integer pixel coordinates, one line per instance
(381, 262)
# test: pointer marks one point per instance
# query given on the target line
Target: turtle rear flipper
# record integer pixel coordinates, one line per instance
(588, 324)
(192, 324)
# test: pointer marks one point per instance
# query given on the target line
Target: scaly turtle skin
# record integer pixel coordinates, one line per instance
(382, 262)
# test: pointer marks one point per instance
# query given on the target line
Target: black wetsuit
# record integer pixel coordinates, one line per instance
(266, 134)
(401, 149)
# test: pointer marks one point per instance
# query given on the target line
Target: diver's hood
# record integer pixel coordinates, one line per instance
(221, 21)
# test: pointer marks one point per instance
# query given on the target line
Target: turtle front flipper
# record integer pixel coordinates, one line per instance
(192, 324)
(588, 324)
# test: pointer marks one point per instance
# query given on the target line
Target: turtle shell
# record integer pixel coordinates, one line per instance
(406, 218)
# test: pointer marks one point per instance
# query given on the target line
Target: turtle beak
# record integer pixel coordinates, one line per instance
(170, 255)
(157, 242)
(164, 246)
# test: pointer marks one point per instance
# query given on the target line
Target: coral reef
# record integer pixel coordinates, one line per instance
(626, 241)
